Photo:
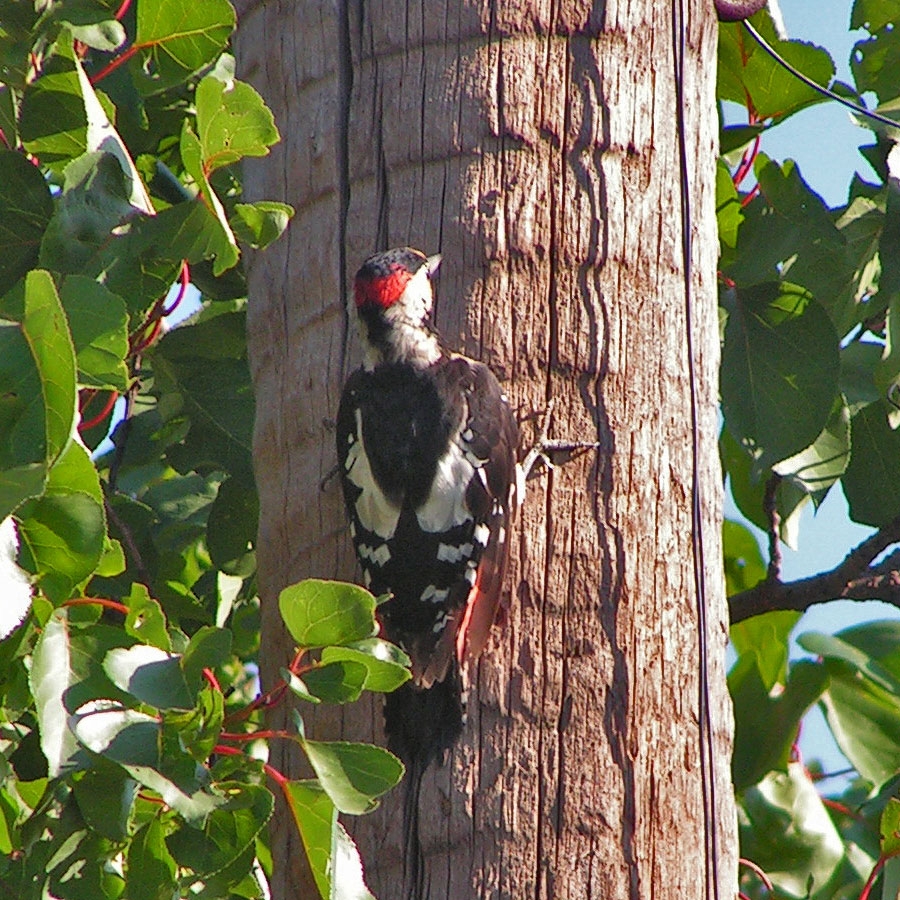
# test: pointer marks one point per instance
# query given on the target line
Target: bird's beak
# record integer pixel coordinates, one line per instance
(432, 264)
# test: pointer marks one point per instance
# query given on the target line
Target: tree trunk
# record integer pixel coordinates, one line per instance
(534, 145)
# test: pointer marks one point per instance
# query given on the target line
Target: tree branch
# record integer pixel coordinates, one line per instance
(852, 579)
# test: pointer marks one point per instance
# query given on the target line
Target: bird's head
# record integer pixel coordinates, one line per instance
(398, 281)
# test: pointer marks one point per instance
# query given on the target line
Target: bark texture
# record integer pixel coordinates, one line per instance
(535, 145)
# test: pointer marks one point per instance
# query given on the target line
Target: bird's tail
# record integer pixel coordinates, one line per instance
(421, 725)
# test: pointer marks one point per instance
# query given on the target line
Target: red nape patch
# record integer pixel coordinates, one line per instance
(383, 291)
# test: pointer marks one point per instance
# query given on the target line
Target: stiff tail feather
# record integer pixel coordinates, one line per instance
(421, 725)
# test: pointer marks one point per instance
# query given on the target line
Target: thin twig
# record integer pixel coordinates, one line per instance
(128, 540)
(773, 523)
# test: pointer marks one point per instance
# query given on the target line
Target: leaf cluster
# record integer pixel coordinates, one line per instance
(131, 732)
(810, 310)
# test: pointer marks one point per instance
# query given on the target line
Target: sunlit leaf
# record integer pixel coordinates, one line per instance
(787, 831)
(325, 613)
(768, 636)
(865, 721)
(746, 71)
(353, 775)
(260, 223)
(64, 530)
(232, 122)
(316, 819)
(387, 666)
(177, 38)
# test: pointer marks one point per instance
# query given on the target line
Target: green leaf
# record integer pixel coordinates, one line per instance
(223, 243)
(327, 613)
(873, 15)
(178, 37)
(151, 870)
(105, 795)
(336, 682)
(87, 681)
(887, 371)
(859, 360)
(25, 210)
(203, 365)
(145, 620)
(53, 122)
(232, 122)
(208, 648)
(728, 206)
(47, 333)
(198, 729)
(233, 520)
(879, 639)
(747, 73)
(149, 752)
(259, 224)
(779, 374)
(789, 233)
(820, 465)
(890, 827)
(23, 428)
(734, 137)
(865, 722)
(94, 202)
(874, 468)
(64, 530)
(744, 565)
(875, 60)
(228, 831)
(833, 647)
(105, 36)
(297, 687)
(387, 666)
(353, 775)
(151, 675)
(766, 726)
(316, 819)
(768, 636)
(112, 562)
(787, 831)
(142, 260)
(98, 320)
(50, 677)
(748, 486)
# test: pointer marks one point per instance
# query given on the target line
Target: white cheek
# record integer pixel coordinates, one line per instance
(417, 298)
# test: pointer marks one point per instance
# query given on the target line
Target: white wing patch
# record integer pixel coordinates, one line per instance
(451, 553)
(376, 513)
(434, 595)
(379, 555)
(445, 507)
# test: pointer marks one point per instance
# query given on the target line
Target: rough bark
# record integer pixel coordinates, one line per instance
(535, 146)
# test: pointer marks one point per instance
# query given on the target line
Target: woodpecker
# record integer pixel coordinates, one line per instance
(427, 448)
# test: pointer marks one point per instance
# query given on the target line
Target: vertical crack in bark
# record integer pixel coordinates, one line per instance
(588, 78)
(345, 89)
